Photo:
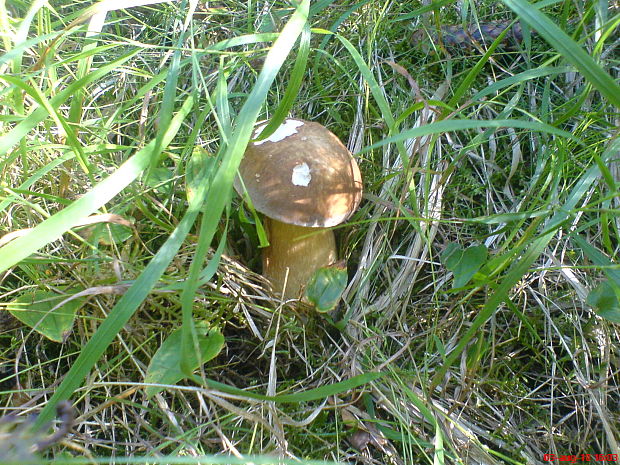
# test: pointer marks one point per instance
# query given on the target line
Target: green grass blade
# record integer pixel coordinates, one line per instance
(134, 296)
(12, 138)
(242, 40)
(295, 80)
(15, 53)
(462, 124)
(38, 174)
(598, 258)
(519, 78)
(568, 48)
(22, 31)
(434, 6)
(172, 460)
(375, 89)
(313, 394)
(170, 90)
(55, 114)
(467, 83)
(222, 103)
(516, 272)
(221, 187)
(52, 228)
(334, 27)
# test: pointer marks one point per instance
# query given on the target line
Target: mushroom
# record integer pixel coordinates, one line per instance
(304, 181)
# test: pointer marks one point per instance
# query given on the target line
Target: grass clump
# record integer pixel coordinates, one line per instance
(480, 320)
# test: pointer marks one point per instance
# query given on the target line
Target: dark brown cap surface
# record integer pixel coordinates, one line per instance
(302, 174)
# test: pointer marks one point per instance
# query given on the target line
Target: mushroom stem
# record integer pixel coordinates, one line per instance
(301, 256)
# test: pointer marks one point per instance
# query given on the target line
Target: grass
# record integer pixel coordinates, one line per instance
(492, 165)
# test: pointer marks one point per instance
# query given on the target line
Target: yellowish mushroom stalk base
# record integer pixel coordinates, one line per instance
(298, 250)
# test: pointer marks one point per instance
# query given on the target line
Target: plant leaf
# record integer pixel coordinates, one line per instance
(598, 258)
(326, 287)
(604, 300)
(40, 310)
(165, 366)
(464, 263)
(160, 180)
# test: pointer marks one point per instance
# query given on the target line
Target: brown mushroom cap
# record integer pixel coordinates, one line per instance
(302, 174)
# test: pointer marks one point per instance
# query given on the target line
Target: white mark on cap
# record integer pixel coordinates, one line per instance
(301, 175)
(288, 128)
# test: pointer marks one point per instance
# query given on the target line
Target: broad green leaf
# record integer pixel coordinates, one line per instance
(464, 263)
(165, 367)
(109, 234)
(326, 287)
(160, 179)
(46, 313)
(604, 300)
